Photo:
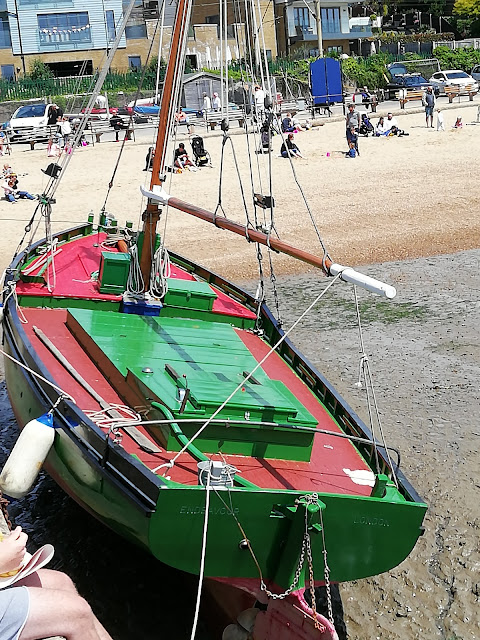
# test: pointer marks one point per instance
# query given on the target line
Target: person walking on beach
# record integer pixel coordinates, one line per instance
(440, 124)
(44, 604)
(429, 103)
(352, 118)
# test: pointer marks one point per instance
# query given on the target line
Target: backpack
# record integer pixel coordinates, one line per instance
(351, 152)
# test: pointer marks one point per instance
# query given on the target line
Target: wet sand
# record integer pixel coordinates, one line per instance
(407, 198)
(424, 353)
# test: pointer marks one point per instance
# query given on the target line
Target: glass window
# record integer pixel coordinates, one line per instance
(64, 27)
(331, 20)
(134, 62)
(335, 49)
(135, 31)
(110, 20)
(8, 72)
(5, 39)
(301, 17)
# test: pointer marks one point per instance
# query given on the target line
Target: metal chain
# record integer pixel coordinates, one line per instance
(309, 499)
(326, 573)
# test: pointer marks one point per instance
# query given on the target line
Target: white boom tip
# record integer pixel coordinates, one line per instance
(355, 277)
(158, 193)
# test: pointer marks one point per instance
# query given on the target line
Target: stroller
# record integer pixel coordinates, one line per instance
(200, 155)
(366, 126)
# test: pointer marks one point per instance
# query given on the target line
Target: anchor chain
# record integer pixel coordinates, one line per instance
(306, 549)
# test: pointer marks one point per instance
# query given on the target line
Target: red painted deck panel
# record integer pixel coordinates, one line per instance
(78, 259)
(329, 457)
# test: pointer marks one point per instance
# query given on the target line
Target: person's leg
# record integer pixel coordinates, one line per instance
(50, 591)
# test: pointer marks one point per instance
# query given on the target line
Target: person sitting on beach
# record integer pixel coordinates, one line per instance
(297, 125)
(7, 170)
(458, 124)
(181, 159)
(53, 148)
(287, 124)
(289, 148)
(45, 603)
(381, 129)
(12, 192)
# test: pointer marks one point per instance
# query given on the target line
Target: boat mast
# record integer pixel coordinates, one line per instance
(173, 74)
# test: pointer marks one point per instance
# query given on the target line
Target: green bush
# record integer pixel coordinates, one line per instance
(464, 59)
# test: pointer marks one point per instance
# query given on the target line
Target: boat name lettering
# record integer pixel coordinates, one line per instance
(374, 522)
(213, 511)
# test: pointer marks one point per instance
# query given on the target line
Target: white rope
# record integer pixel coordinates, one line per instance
(204, 549)
(161, 270)
(370, 390)
(128, 417)
(135, 283)
(37, 375)
(171, 463)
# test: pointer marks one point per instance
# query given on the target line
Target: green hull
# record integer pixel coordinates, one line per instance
(364, 535)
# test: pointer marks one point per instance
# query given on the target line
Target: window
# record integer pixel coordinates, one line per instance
(335, 49)
(64, 27)
(8, 72)
(135, 31)
(134, 62)
(5, 39)
(110, 22)
(301, 17)
(331, 20)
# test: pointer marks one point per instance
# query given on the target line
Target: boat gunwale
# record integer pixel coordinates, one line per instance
(271, 336)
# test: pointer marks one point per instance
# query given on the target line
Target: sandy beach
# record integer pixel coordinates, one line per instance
(407, 206)
(402, 198)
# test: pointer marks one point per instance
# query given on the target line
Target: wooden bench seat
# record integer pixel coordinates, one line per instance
(467, 90)
(98, 128)
(406, 95)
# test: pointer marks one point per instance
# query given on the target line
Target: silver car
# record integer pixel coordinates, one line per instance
(452, 78)
(475, 73)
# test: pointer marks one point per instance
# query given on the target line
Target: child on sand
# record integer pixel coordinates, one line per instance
(458, 124)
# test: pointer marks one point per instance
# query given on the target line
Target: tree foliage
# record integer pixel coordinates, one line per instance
(469, 8)
(39, 70)
(464, 59)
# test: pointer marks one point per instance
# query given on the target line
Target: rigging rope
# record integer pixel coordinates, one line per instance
(371, 396)
(203, 554)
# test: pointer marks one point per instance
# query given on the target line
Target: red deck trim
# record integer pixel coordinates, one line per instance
(80, 257)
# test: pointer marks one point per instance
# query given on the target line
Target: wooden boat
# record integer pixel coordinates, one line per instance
(243, 465)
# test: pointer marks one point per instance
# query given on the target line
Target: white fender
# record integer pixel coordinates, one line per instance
(27, 456)
(235, 632)
(246, 619)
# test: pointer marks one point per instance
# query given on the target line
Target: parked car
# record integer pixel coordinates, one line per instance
(28, 119)
(452, 78)
(475, 73)
(413, 81)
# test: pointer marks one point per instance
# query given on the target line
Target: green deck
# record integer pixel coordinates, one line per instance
(210, 360)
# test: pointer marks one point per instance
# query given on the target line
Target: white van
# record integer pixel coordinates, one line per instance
(29, 120)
